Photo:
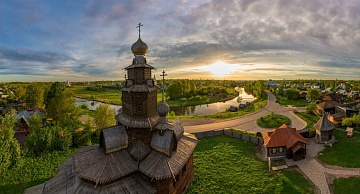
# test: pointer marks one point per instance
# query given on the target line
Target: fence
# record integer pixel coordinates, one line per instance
(255, 140)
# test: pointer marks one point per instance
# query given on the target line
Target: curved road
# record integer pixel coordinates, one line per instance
(248, 122)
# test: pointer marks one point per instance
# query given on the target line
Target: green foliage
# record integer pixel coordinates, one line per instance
(20, 92)
(343, 152)
(30, 171)
(62, 109)
(309, 118)
(313, 94)
(9, 149)
(84, 106)
(181, 89)
(273, 120)
(104, 117)
(352, 121)
(47, 139)
(56, 89)
(228, 165)
(291, 94)
(83, 137)
(310, 108)
(347, 185)
(107, 96)
(255, 88)
(282, 100)
(35, 122)
(35, 94)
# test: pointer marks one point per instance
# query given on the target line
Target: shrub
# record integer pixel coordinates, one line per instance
(84, 106)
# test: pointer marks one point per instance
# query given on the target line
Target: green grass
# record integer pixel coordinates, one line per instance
(254, 106)
(347, 185)
(107, 96)
(344, 152)
(31, 171)
(309, 118)
(282, 100)
(273, 121)
(228, 165)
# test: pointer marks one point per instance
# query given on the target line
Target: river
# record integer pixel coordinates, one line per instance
(189, 110)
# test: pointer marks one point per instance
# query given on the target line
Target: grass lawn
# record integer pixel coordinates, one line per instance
(31, 171)
(309, 118)
(347, 185)
(285, 102)
(107, 96)
(273, 121)
(344, 152)
(228, 165)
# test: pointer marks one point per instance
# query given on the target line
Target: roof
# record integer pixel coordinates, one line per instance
(161, 141)
(328, 104)
(114, 138)
(26, 114)
(139, 150)
(324, 124)
(282, 136)
(91, 164)
(159, 166)
(136, 122)
(175, 126)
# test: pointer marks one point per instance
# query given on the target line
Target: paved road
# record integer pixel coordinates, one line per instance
(248, 122)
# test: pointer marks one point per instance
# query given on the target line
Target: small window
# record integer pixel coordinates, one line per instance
(139, 108)
(184, 169)
(281, 150)
(177, 178)
(274, 150)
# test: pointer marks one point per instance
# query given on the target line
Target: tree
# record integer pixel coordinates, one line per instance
(20, 92)
(62, 109)
(292, 94)
(9, 149)
(56, 89)
(311, 108)
(104, 117)
(35, 95)
(352, 121)
(313, 94)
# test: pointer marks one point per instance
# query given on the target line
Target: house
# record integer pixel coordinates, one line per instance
(67, 83)
(303, 94)
(327, 106)
(324, 129)
(4, 97)
(24, 116)
(334, 97)
(284, 141)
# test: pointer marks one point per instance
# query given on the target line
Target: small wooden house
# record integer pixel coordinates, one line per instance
(284, 142)
(324, 129)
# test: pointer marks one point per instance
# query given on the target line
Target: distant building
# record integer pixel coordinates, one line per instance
(67, 83)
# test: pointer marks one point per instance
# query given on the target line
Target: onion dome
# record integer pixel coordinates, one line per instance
(163, 109)
(139, 47)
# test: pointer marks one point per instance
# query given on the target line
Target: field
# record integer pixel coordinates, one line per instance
(229, 165)
(273, 121)
(282, 100)
(31, 171)
(107, 96)
(347, 185)
(309, 118)
(344, 152)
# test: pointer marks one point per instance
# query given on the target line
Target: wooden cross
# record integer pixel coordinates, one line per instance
(125, 77)
(138, 26)
(163, 84)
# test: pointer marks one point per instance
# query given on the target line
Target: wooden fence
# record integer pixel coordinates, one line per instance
(255, 140)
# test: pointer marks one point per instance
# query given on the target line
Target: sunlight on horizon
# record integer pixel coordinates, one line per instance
(220, 68)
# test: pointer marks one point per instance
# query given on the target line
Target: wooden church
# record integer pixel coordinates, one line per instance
(143, 153)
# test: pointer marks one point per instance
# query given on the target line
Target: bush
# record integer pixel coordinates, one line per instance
(291, 94)
(84, 106)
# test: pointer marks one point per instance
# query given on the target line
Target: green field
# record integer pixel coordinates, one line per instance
(309, 118)
(344, 152)
(31, 171)
(347, 185)
(273, 121)
(282, 100)
(107, 96)
(228, 165)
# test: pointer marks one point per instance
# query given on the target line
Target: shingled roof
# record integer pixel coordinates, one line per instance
(282, 136)
(328, 104)
(324, 124)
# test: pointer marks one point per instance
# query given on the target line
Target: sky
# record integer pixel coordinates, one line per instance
(188, 39)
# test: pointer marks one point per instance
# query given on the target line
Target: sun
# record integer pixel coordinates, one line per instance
(220, 68)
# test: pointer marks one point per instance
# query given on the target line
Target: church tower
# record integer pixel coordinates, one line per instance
(139, 97)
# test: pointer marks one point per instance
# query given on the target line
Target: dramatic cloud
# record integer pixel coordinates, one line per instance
(91, 41)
